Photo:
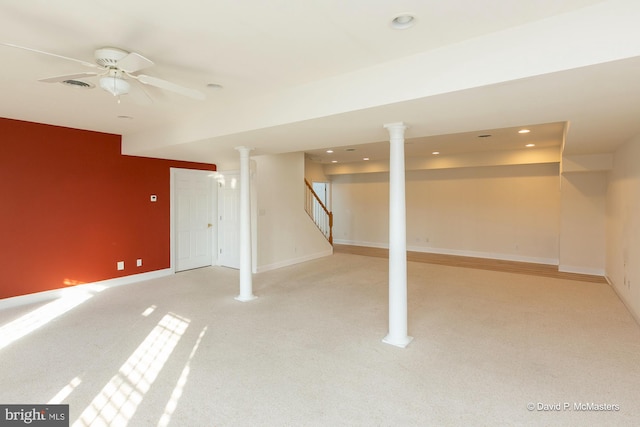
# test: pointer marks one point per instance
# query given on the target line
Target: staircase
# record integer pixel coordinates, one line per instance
(318, 212)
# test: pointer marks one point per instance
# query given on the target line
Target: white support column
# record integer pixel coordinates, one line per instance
(246, 285)
(397, 240)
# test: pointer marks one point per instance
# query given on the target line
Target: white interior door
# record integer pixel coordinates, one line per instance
(320, 188)
(229, 220)
(194, 221)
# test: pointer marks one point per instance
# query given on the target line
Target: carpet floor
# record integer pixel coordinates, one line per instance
(490, 348)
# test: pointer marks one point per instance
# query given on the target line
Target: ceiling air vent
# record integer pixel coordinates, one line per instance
(79, 84)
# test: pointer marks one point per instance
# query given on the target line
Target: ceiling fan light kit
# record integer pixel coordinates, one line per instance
(114, 85)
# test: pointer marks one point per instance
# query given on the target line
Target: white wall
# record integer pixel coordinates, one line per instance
(285, 233)
(360, 205)
(582, 222)
(502, 212)
(314, 171)
(623, 225)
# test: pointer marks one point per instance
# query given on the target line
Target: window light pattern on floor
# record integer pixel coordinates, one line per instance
(115, 405)
(172, 404)
(65, 392)
(39, 317)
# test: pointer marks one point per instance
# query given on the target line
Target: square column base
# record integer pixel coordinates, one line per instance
(402, 343)
(245, 299)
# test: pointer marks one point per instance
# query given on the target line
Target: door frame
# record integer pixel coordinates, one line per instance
(327, 191)
(172, 215)
(236, 174)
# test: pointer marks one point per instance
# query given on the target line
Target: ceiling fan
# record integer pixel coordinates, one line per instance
(114, 67)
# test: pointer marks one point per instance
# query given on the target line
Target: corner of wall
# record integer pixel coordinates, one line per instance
(623, 225)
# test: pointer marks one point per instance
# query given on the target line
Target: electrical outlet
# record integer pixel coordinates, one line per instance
(139, 262)
(120, 265)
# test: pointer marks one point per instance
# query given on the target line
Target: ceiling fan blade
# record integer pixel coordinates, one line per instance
(58, 79)
(55, 55)
(140, 95)
(163, 84)
(134, 62)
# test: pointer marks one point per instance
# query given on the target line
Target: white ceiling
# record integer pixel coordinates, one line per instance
(539, 136)
(308, 75)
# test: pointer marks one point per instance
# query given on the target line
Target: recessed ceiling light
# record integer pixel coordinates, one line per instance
(334, 161)
(524, 131)
(329, 151)
(403, 21)
(435, 153)
(365, 158)
(530, 145)
(486, 135)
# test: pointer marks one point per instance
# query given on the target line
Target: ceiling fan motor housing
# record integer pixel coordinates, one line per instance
(109, 56)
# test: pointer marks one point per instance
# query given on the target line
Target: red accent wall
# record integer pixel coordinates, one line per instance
(71, 207)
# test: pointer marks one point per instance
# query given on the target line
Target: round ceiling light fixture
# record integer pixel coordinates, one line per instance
(403, 21)
(115, 85)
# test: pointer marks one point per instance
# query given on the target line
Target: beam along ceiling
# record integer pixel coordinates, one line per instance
(306, 76)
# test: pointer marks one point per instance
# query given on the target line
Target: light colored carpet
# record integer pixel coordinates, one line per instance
(308, 351)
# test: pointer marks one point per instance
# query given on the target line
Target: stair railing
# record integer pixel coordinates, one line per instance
(318, 212)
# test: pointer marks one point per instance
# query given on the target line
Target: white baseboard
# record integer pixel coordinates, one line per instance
(92, 287)
(636, 316)
(581, 270)
(474, 254)
(288, 262)
(487, 255)
(365, 244)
